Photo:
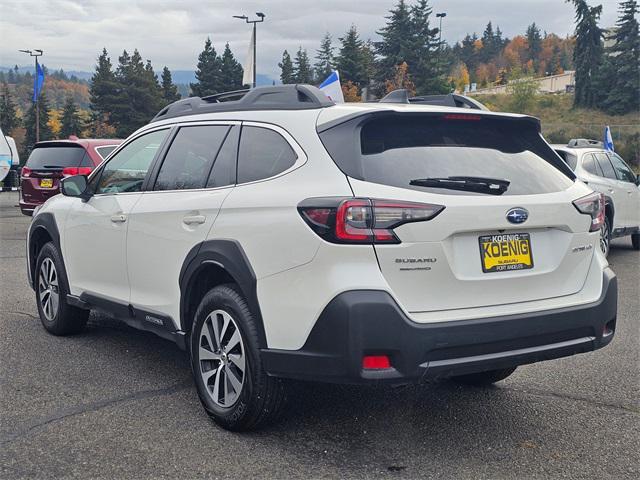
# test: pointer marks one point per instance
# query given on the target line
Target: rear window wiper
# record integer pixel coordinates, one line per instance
(491, 186)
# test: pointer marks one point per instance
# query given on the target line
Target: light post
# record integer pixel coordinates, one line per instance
(36, 53)
(440, 15)
(261, 16)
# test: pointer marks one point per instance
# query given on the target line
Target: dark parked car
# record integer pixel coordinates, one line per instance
(53, 160)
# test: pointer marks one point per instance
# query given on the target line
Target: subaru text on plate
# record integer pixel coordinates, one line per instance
(281, 236)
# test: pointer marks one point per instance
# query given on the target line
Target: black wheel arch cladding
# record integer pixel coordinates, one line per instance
(230, 257)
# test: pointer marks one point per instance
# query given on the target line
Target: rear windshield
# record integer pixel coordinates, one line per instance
(409, 151)
(569, 158)
(57, 158)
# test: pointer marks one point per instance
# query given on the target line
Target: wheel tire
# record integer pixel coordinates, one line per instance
(56, 315)
(605, 237)
(635, 241)
(484, 378)
(217, 362)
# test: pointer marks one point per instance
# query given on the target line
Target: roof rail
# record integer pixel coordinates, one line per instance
(451, 100)
(584, 143)
(281, 97)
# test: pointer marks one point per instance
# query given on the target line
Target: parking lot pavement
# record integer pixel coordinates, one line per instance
(117, 403)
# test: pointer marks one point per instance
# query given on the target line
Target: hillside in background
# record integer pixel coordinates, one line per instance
(561, 122)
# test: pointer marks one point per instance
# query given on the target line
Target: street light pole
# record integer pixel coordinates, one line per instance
(440, 15)
(36, 53)
(261, 16)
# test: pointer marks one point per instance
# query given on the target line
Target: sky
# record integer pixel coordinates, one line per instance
(72, 33)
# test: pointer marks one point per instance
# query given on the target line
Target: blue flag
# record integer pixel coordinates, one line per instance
(608, 139)
(38, 81)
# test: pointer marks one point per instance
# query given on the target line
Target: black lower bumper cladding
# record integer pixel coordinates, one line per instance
(369, 322)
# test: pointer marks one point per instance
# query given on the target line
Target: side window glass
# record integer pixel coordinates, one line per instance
(190, 157)
(624, 172)
(86, 161)
(590, 165)
(605, 165)
(224, 168)
(263, 153)
(126, 171)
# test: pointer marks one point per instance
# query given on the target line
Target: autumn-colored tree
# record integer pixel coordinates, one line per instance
(350, 92)
(54, 122)
(460, 77)
(401, 79)
(516, 52)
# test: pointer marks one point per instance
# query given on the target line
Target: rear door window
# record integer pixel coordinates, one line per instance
(54, 157)
(436, 152)
(190, 157)
(263, 153)
(104, 151)
(622, 169)
(605, 165)
(591, 165)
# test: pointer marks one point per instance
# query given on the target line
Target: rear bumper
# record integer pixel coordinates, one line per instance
(27, 208)
(359, 323)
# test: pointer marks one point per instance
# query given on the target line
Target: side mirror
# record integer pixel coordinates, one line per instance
(75, 186)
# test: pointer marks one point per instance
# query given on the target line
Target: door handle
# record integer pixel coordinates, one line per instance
(194, 219)
(119, 218)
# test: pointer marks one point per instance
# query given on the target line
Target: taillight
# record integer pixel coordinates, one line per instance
(26, 172)
(593, 205)
(362, 220)
(70, 171)
(462, 116)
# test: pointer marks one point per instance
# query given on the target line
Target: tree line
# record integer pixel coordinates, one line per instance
(407, 54)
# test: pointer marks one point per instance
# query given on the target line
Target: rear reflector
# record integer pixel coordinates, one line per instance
(375, 362)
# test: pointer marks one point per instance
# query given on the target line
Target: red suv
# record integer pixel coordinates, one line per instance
(51, 161)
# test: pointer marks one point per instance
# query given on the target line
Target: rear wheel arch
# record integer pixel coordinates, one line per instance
(212, 263)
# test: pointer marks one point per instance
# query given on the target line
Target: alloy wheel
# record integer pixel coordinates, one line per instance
(221, 358)
(48, 289)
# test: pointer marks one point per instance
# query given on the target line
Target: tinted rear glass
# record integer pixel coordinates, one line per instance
(105, 151)
(55, 157)
(398, 149)
(569, 158)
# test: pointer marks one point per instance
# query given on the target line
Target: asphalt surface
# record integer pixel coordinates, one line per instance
(117, 403)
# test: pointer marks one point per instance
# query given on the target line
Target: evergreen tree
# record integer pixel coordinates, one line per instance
(230, 71)
(302, 67)
(426, 52)
(140, 94)
(169, 90)
(208, 72)
(286, 69)
(8, 117)
(588, 53)
(622, 76)
(30, 122)
(71, 124)
(104, 88)
(489, 47)
(325, 61)
(534, 44)
(351, 60)
(397, 42)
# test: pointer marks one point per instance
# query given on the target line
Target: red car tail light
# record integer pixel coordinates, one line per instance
(26, 172)
(70, 171)
(593, 205)
(362, 220)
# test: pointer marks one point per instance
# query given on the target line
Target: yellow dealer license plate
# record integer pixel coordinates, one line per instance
(505, 252)
(46, 182)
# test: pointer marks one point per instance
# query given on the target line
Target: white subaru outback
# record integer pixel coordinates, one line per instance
(283, 236)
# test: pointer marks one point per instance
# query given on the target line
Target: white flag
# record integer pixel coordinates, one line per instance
(247, 76)
(331, 87)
